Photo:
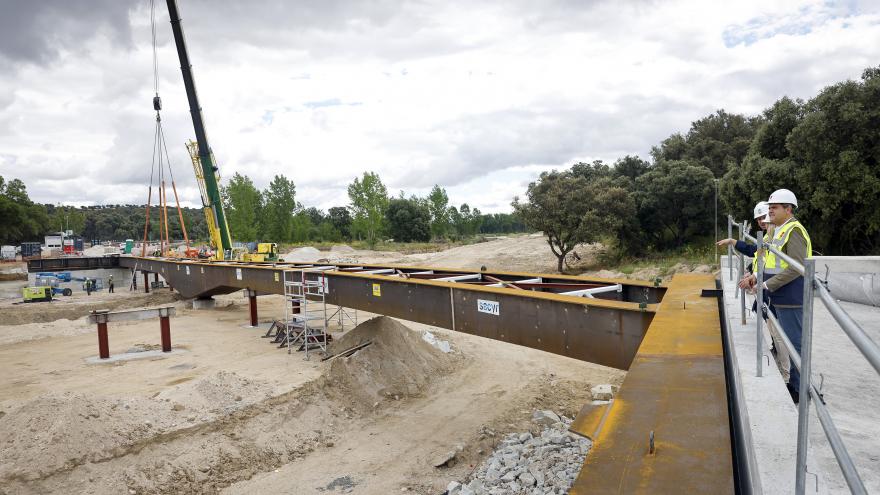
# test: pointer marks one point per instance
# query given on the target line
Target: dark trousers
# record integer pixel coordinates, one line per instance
(111, 287)
(792, 321)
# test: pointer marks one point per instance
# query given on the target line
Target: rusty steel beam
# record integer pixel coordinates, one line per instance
(675, 393)
(606, 332)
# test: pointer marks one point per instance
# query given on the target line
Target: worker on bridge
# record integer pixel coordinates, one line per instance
(771, 268)
(786, 289)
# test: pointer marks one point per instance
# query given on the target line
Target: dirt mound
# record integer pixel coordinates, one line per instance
(342, 248)
(78, 307)
(60, 431)
(397, 364)
(305, 254)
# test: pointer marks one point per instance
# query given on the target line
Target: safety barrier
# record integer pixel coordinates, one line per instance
(802, 361)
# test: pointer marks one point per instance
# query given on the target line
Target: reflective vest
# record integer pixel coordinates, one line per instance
(780, 238)
(770, 265)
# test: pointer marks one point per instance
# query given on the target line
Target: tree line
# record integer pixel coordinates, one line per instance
(371, 215)
(273, 214)
(825, 149)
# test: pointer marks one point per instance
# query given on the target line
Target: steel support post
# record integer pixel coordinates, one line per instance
(165, 328)
(729, 247)
(742, 272)
(252, 303)
(760, 304)
(806, 361)
(146, 283)
(155, 277)
(103, 343)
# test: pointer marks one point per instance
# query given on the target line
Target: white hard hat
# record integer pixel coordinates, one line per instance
(783, 196)
(761, 209)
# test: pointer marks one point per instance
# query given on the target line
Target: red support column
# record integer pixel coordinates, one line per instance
(103, 344)
(252, 299)
(146, 283)
(165, 326)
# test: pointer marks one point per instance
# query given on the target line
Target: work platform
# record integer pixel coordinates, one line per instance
(668, 430)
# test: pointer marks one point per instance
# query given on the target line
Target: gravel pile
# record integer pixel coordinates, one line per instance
(527, 464)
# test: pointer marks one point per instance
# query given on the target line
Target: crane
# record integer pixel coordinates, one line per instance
(207, 173)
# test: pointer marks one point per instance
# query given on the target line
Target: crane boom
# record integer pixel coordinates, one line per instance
(211, 201)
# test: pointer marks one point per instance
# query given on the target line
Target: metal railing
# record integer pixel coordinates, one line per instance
(802, 361)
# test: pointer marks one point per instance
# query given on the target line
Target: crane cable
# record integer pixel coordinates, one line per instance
(160, 146)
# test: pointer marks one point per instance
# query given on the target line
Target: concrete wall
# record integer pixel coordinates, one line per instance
(851, 278)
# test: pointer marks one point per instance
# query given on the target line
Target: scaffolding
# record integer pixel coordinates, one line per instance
(344, 316)
(305, 312)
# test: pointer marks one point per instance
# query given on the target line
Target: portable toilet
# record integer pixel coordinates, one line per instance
(129, 244)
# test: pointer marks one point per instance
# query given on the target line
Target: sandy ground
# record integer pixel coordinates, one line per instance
(526, 252)
(229, 411)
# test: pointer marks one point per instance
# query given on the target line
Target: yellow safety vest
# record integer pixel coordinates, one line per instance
(769, 260)
(780, 238)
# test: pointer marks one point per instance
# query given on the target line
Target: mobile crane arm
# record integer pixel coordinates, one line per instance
(211, 202)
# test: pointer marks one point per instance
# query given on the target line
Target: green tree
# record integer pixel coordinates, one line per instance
(568, 209)
(20, 218)
(280, 205)
(340, 218)
(303, 228)
(408, 220)
(674, 203)
(243, 204)
(369, 199)
(438, 204)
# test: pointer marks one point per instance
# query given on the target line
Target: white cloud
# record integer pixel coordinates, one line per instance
(478, 97)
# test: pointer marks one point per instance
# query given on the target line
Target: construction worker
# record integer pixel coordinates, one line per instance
(88, 286)
(771, 268)
(110, 287)
(786, 289)
(763, 220)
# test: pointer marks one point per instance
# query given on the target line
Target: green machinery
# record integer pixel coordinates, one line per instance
(37, 294)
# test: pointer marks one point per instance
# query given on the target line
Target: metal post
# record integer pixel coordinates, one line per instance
(729, 247)
(717, 255)
(804, 392)
(742, 273)
(165, 328)
(252, 302)
(760, 304)
(156, 277)
(146, 283)
(103, 343)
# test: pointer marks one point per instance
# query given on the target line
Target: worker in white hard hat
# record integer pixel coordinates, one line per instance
(761, 216)
(786, 289)
(763, 220)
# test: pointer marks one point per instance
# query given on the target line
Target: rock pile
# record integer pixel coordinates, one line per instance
(527, 464)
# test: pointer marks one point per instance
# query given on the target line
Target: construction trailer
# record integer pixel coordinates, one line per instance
(7, 253)
(30, 250)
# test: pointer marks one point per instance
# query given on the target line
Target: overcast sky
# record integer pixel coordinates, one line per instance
(477, 97)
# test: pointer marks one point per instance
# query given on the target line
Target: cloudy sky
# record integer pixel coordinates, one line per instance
(477, 97)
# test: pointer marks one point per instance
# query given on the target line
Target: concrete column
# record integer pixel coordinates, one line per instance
(252, 300)
(165, 327)
(203, 303)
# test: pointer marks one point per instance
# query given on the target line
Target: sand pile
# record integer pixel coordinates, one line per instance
(341, 248)
(398, 363)
(306, 254)
(60, 431)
